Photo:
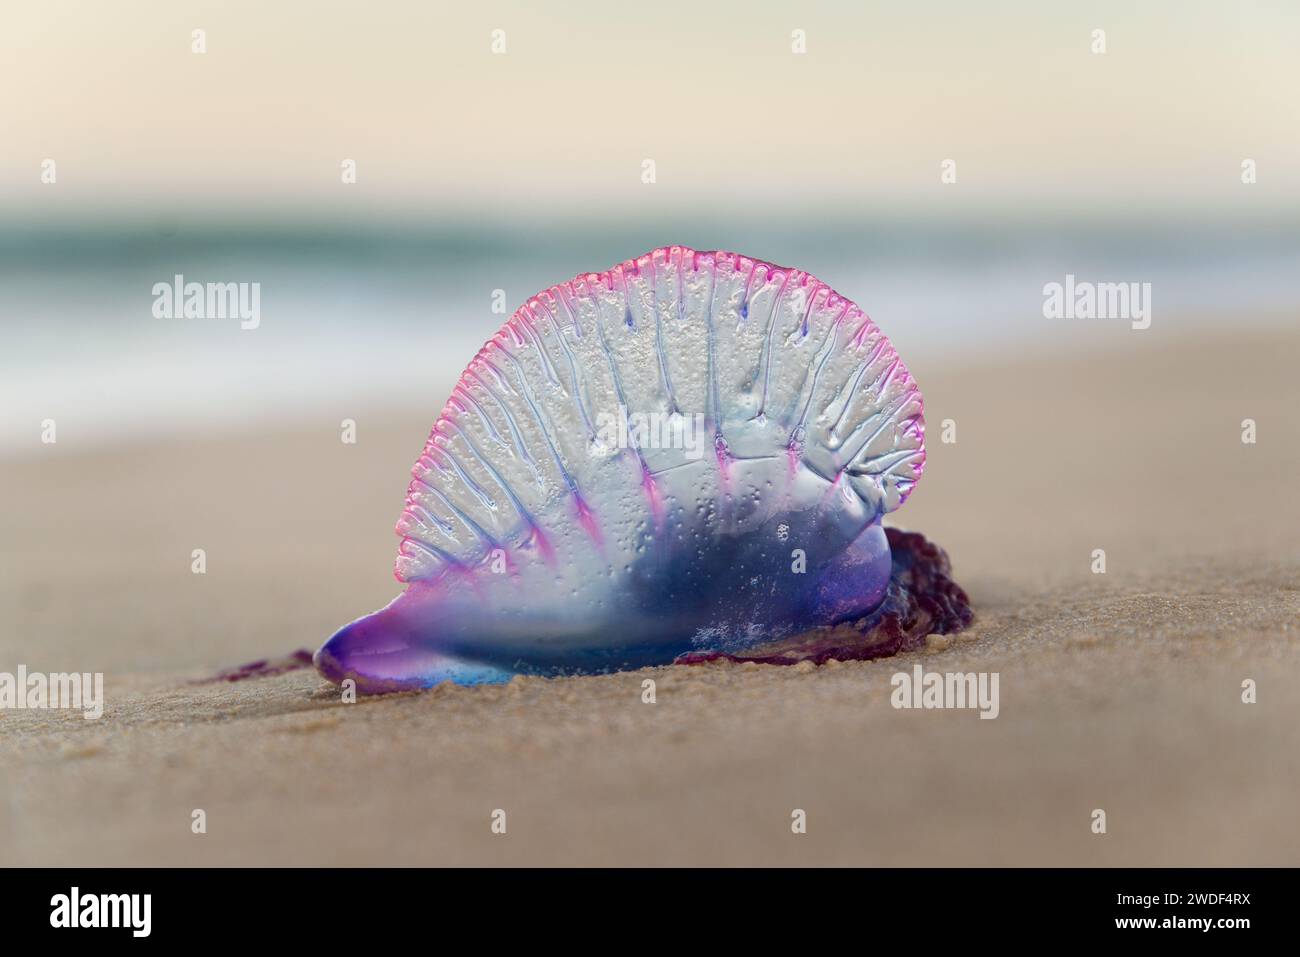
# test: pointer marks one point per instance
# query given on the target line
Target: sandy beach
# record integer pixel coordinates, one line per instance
(1119, 691)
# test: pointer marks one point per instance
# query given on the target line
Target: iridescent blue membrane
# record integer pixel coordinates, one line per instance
(740, 593)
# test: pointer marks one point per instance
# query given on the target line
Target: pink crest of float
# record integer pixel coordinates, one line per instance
(775, 361)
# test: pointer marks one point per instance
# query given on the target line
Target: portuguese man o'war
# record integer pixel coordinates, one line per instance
(683, 458)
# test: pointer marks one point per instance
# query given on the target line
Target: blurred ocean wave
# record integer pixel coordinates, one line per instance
(353, 316)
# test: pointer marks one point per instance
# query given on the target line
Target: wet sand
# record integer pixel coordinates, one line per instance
(1119, 691)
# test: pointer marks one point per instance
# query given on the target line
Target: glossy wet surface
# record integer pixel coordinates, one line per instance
(922, 600)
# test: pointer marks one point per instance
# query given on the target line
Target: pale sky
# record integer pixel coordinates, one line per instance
(585, 92)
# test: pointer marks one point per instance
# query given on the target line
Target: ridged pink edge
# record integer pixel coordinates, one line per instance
(678, 255)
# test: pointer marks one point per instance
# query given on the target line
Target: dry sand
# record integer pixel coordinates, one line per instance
(1119, 691)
